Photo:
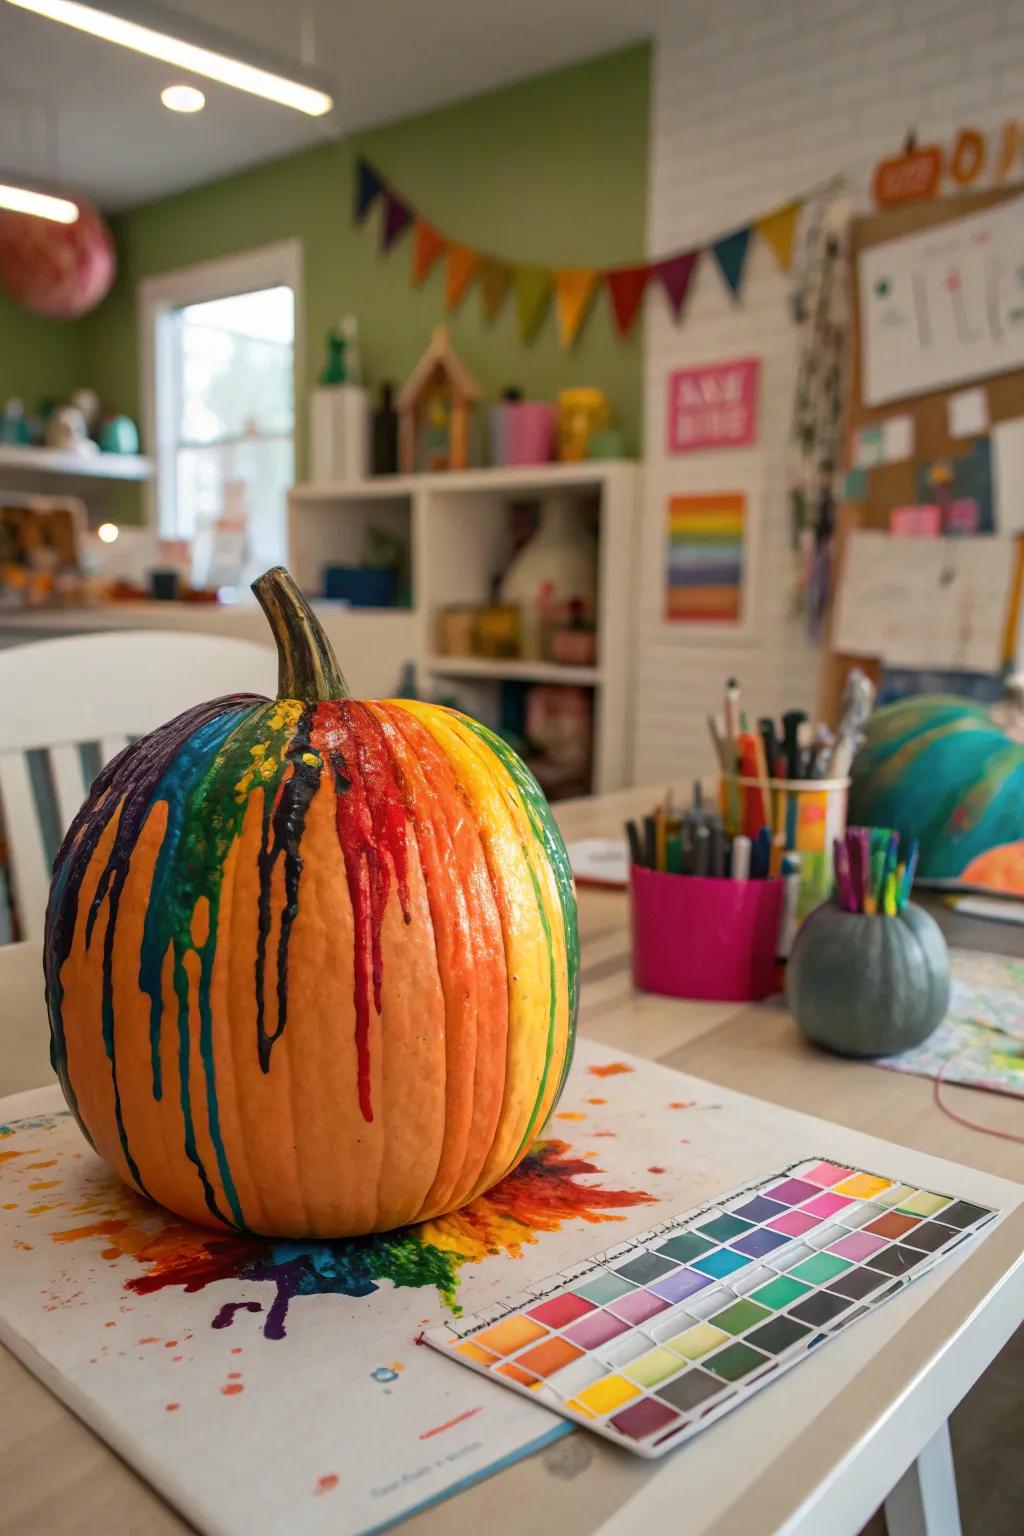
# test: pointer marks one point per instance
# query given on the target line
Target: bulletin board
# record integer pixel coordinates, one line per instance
(889, 485)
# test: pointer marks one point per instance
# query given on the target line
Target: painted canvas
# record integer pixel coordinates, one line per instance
(706, 558)
(980, 1043)
(300, 1358)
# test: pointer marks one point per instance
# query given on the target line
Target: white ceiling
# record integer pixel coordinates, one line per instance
(88, 114)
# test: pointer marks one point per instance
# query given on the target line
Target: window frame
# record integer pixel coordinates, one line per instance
(270, 266)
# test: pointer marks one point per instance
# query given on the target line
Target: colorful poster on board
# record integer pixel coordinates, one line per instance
(713, 406)
(706, 559)
(944, 306)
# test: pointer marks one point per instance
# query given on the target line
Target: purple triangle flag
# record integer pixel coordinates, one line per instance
(397, 218)
(731, 254)
(368, 188)
(675, 274)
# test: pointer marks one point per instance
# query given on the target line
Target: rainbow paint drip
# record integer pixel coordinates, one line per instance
(311, 964)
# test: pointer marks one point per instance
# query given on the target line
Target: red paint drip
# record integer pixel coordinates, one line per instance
(371, 820)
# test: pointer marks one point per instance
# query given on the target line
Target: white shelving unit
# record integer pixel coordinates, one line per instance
(93, 466)
(455, 527)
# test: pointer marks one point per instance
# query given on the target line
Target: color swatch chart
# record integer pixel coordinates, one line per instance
(650, 1341)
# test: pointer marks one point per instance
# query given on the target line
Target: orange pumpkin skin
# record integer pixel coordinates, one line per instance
(312, 964)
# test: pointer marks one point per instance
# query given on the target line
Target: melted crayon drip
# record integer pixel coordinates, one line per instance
(371, 821)
(286, 822)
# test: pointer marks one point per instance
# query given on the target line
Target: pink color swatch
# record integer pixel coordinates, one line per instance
(791, 1192)
(859, 1245)
(826, 1174)
(825, 1205)
(793, 1223)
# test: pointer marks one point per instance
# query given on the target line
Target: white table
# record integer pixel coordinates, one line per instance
(884, 1437)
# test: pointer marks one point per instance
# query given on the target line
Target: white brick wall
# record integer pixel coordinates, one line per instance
(754, 101)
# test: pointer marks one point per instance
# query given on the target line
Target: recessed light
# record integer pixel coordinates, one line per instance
(107, 532)
(163, 40)
(40, 204)
(182, 98)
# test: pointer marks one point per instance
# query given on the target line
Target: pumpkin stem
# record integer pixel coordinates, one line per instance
(308, 669)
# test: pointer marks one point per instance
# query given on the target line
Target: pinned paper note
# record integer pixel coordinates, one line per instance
(869, 449)
(897, 439)
(967, 413)
(916, 522)
(1008, 474)
(945, 608)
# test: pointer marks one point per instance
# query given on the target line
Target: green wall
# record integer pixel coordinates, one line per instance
(553, 170)
(38, 357)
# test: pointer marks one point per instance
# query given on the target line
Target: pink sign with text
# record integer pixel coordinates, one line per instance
(714, 406)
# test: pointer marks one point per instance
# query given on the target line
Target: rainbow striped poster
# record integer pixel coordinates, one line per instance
(704, 577)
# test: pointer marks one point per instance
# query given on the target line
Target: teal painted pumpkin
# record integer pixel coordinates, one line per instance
(939, 769)
(868, 986)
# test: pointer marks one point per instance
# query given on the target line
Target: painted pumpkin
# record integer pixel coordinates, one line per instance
(940, 769)
(866, 985)
(311, 964)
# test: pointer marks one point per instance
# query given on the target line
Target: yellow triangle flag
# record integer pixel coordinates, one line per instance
(778, 229)
(574, 289)
(459, 271)
(495, 282)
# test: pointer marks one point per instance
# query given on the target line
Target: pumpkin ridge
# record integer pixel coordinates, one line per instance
(547, 832)
(549, 1049)
(434, 792)
(491, 798)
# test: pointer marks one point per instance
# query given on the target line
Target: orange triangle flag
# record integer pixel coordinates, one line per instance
(460, 269)
(778, 229)
(427, 246)
(574, 289)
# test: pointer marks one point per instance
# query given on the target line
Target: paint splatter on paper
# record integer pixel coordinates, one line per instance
(543, 1193)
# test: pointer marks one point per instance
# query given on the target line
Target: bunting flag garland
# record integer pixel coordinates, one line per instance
(397, 218)
(731, 254)
(495, 282)
(427, 246)
(626, 287)
(459, 270)
(368, 188)
(574, 288)
(674, 275)
(779, 231)
(533, 295)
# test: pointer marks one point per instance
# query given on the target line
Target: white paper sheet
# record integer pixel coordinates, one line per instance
(897, 439)
(1008, 475)
(599, 860)
(937, 603)
(944, 306)
(967, 412)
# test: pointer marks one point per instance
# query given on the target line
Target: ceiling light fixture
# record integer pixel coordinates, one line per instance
(182, 98)
(160, 41)
(40, 204)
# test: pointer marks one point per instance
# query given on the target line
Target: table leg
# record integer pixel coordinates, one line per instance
(924, 1501)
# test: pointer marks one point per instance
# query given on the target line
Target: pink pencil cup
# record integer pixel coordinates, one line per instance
(703, 938)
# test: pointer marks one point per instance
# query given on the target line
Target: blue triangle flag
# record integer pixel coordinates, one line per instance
(731, 254)
(368, 188)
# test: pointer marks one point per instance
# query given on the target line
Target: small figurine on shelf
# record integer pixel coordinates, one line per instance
(438, 372)
(333, 371)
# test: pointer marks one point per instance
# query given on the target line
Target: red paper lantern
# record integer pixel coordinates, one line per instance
(62, 270)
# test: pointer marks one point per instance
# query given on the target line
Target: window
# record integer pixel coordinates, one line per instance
(221, 369)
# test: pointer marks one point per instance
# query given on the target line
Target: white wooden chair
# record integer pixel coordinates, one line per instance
(95, 691)
(58, 697)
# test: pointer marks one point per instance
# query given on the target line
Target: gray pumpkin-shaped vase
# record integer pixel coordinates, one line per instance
(868, 985)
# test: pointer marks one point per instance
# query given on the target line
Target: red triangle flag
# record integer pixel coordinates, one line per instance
(626, 286)
(675, 274)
